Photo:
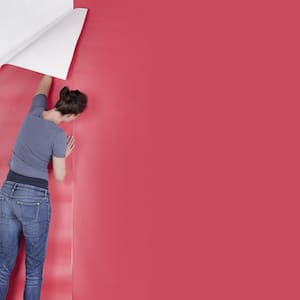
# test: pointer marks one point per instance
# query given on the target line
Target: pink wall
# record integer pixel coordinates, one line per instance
(225, 193)
(112, 163)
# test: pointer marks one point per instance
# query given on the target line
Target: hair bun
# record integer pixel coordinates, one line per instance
(64, 93)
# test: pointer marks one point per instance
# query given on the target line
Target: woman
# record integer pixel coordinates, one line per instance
(24, 197)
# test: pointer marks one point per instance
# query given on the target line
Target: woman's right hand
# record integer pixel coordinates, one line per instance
(70, 145)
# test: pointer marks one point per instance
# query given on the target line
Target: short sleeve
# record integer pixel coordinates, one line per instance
(39, 103)
(60, 145)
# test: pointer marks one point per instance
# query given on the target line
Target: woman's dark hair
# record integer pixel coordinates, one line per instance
(71, 101)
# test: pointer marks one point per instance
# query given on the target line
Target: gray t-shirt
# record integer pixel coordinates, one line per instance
(38, 140)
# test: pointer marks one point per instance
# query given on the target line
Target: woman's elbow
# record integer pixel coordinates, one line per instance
(60, 177)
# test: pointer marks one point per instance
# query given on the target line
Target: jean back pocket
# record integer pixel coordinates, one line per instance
(27, 211)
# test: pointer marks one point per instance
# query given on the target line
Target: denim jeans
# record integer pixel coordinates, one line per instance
(23, 209)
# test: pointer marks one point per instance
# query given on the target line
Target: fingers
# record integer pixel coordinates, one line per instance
(70, 142)
(70, 138)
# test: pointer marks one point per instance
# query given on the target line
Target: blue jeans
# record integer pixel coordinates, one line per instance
(23, 209)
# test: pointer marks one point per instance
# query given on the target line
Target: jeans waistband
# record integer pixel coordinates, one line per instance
(18, 178)
(20, 190)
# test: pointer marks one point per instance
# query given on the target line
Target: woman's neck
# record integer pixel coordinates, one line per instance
(52, 115)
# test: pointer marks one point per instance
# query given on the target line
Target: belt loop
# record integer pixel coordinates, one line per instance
(13, 189)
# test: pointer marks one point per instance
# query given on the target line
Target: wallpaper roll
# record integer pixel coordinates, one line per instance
(40, 35)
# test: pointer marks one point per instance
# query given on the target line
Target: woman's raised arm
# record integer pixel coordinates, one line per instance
(44, 85)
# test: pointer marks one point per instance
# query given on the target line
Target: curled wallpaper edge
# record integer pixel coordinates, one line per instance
(51, 50)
